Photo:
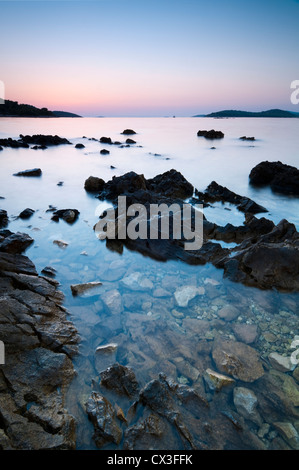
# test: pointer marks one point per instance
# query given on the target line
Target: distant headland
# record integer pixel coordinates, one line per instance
(271, 113)
(14, 109)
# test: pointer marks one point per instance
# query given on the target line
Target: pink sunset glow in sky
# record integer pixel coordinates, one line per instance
(149, 58)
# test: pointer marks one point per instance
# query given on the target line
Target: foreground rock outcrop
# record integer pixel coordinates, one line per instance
(39, 344)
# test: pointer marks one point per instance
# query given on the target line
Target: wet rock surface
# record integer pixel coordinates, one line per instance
(39, 343)
(30, 172)
(267, 256)
(44, 140)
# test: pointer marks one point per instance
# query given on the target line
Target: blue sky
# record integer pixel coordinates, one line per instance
(141, 57)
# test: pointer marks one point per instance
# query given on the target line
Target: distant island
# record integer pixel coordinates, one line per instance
(14, 109)
(271, 113)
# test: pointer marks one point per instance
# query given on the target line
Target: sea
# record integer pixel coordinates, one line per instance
(135, 308)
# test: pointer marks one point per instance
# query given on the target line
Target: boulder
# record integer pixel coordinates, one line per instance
(94, 184)
(79, 146)
(104, 152)
(238, 360)
(281, 177)
(16, 243)
(3, 218)
(105, 140)
(26, 213)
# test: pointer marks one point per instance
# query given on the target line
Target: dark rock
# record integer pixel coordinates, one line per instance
(103, 416)
(39, 147)
(94, 184)
(1, 148)
(60, 183)
(16, 243)
(33, 172)
(104, 152)
(112, 167)
(49, 271)
(26, 213)
(105, 140)
(13, 143)
(281, 177)
(39, 341)
(212, 134)
(80, 146)
(128, 132)
(121, 379)
(3, 218)
(269, 261)
(216, 192)
(68, 215)
(247, 138)
(43, 140)
(130, 141)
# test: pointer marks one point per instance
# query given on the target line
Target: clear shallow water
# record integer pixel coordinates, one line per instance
(162, 144)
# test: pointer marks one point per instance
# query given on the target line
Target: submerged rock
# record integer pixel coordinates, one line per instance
(238, 360)
(216, 381)
(184, 294)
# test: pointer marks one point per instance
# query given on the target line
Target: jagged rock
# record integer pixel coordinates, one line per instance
(33, 172)
(49, 271)
(101, 413)
(37, 371)
(16, 243)
(216, 192)
(44, 139)
(216, 381)
(238, 360)
(13, 143)
(120, 379)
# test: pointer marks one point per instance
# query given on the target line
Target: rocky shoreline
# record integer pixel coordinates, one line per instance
(215, 374)
(39, 345)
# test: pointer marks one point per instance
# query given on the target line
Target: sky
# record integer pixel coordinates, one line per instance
(150, 57)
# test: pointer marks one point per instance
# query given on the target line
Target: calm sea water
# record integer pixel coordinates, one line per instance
(162, 144)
